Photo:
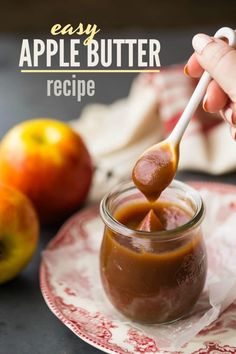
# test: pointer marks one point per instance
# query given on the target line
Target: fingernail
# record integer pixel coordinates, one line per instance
(233, 132)
(204, 104)
(200, 41)
(228, 113)
(186, 72)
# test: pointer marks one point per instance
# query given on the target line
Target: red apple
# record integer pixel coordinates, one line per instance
(19, 230)
(49, 162)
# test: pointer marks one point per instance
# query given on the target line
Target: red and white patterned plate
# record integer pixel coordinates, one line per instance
(66, 291)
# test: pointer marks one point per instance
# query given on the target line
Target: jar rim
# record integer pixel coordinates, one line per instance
(162, 236)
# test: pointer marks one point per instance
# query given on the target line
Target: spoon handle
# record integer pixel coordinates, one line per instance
(199, 92)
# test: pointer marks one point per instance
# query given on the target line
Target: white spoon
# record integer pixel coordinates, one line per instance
(156, 167)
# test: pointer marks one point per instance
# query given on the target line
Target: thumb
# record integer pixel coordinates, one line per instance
(219, 59)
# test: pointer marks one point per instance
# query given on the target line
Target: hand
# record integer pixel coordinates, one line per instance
(219, 59)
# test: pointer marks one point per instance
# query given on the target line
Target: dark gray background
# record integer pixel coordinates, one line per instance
(26, 324)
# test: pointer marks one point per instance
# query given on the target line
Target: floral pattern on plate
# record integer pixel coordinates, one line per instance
(66, 292)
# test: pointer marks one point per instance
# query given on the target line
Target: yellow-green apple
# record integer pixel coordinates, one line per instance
(19, 229)
(49, 162)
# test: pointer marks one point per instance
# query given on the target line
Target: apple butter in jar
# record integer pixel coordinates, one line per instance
(153, 259)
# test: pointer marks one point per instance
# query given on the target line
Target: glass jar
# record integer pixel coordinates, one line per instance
(153, 277)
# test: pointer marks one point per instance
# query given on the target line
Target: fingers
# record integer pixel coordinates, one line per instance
(219, 59)
(215, 98)
(229, 115)
(193, 68)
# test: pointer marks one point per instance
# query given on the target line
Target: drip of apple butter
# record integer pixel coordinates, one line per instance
(151, 223)
(139, 215)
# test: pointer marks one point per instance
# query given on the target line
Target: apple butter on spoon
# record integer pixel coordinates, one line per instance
(155, 169)
(157, 166)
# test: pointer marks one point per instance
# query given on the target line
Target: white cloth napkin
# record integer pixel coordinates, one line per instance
(118, 133)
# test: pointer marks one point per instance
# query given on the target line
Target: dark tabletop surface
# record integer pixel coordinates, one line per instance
(27, 326)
